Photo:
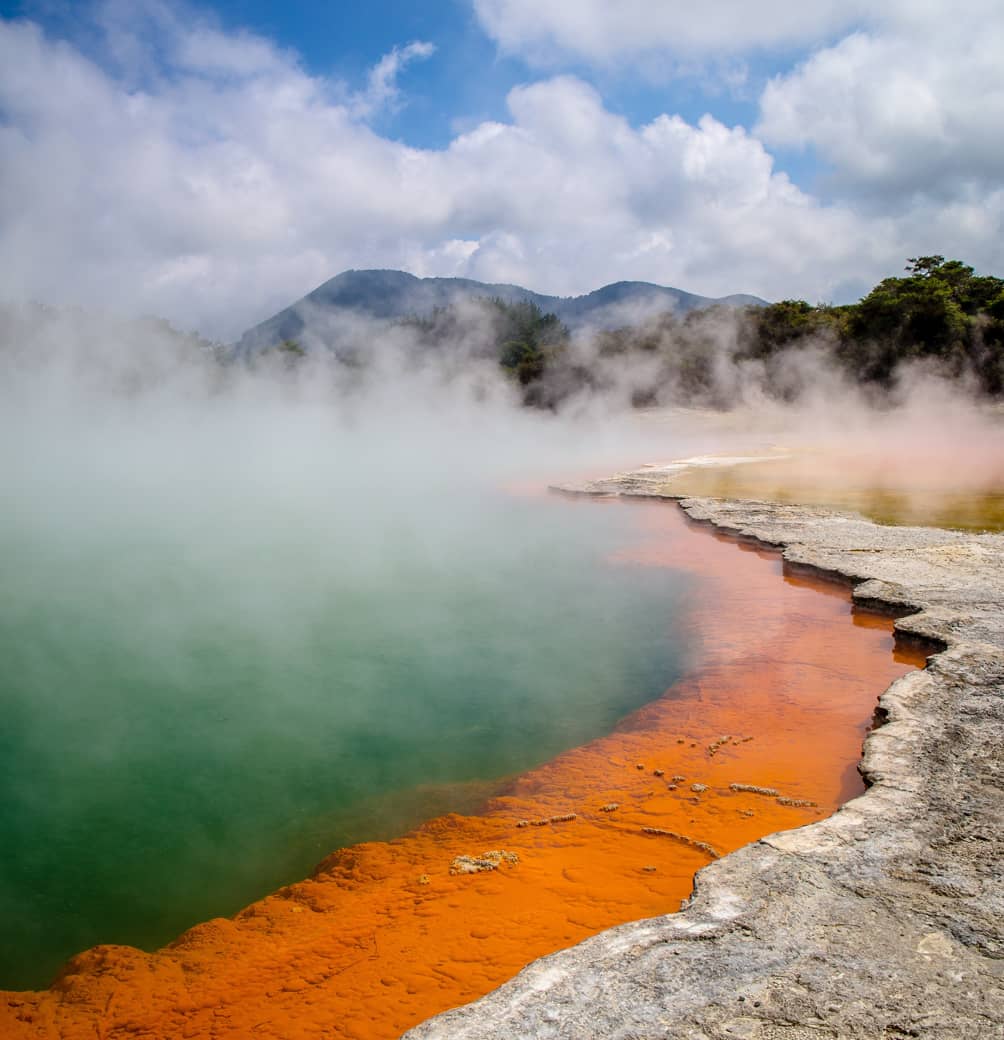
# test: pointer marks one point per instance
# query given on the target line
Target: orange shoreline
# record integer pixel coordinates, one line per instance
(383, 935)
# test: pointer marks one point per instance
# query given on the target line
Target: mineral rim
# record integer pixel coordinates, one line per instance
(883, 920)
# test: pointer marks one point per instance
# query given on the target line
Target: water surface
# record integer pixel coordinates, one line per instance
(894, 494)
(762, 735)
(200, 703)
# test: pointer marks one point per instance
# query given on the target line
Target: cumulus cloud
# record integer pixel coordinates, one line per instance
(601, 31)
(899, 99)
(598, 31)
(214, 198)
(213, 180)
(918, 110)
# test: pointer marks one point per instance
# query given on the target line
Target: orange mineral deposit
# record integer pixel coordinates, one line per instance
(763, 735)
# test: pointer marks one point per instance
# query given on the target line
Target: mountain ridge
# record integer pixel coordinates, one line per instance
(388, 294)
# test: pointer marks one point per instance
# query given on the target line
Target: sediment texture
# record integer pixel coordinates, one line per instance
(884, 920)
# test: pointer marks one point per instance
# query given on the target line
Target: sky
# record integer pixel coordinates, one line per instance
(212, 162)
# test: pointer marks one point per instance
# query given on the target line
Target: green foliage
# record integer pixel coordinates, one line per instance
(529, 339)
(287, 355)
(525, 341)
(939, 312)
(924, 265)
(291, 349)
(919, 314)
(783, 324)
(995, 307)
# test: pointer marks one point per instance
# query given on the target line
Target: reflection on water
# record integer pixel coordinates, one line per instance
(889, 497)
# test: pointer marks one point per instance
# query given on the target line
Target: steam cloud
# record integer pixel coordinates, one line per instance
(161, 503)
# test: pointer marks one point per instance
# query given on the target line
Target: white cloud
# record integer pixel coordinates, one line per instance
(230, 184)
(602, 31)
(382, 91)
(899, 98)
(210, 51)
(918, 110)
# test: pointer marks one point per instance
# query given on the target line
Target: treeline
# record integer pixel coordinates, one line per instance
(529, 344)
(940, 313)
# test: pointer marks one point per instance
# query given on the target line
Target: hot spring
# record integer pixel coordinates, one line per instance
(232, 644)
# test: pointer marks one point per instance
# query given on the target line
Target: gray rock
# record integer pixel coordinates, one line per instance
(885, 920)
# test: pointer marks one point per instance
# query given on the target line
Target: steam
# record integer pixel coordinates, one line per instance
(251, 607)
(931, 432)
(372, 403)
(190, 537)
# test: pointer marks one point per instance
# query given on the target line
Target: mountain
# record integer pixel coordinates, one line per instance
(395, 294)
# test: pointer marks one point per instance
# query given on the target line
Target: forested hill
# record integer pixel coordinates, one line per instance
(939, 310)
(323, 314)
(939, 314)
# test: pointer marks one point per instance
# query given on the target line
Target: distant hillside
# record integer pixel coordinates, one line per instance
(396, 294)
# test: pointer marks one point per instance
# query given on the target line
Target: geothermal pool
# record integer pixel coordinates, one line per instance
(760, 731)
(194, 717)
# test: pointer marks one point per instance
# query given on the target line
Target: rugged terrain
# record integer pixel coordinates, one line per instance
(884, 920)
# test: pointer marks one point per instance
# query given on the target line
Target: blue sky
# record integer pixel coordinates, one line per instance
(465, 82)
(749, 145)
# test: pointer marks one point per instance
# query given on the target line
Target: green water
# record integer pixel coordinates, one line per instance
(198, 705)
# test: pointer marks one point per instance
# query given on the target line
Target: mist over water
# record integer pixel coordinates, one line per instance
(243, 627)
(254, 613)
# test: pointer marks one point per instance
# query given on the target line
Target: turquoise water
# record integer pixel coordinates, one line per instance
(201, 699)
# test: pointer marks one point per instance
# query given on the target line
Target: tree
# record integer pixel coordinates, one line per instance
(923, 265)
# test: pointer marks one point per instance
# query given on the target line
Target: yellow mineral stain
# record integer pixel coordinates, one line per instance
(889, 493)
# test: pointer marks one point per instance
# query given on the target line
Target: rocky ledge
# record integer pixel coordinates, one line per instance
(885, 920)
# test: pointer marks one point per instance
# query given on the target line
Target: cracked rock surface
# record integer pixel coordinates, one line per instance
(885, 920)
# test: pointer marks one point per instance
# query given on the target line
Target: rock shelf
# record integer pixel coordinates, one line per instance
(883, 920)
